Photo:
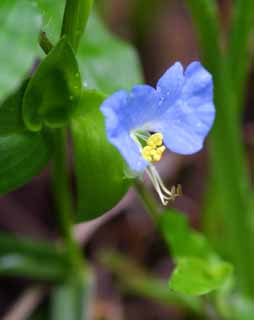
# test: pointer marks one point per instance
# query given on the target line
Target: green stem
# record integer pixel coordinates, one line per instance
(63, 199)
(148, 201)
(142, 283)
(75, 18)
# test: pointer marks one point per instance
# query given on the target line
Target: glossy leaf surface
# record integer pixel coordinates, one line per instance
(54, 91)
(22, 156)
(11, 120)
(106, 62)
(99, 168)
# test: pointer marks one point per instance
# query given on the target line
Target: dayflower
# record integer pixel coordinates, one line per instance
(177, 115)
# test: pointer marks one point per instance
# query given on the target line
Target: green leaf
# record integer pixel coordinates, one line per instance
(195, 276)
(54, 91)
(226, 143)
(198, 268)
(33, 259)
(11, 244)
(28, 266)
(72, 300)
(22, 156)
(20, 24)
(11, 120)
(52, 14)
(98, 165)
(101, 54)
(181, 240)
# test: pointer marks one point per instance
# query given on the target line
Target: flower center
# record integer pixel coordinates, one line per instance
(154, 148)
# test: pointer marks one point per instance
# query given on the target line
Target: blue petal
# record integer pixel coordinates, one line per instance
(130, 151)
(128, 112)
(171, 83)
(186, 124)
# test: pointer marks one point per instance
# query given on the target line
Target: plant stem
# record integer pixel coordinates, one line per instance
(63, 198)
(75, 18)
(149, 203)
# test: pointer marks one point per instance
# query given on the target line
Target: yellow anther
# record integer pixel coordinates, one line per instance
(146, 153)
(154, 149)
(155, 140)
(161, 150)
(153, 154)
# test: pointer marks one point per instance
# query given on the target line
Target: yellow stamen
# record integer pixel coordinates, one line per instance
(146, 153)
(155, 140)
(154, 149)
(161, 150)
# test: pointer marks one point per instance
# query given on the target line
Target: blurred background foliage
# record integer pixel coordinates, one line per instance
(217, 182)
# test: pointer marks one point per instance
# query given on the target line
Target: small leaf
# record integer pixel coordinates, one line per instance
(99, 167)
(11, 120)
(54, 91)
(20, 25)
(198, 270)
(22, 156)
(195, 276)
(101, 54)
(181, 239)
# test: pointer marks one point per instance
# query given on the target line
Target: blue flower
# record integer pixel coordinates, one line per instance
(178, 113)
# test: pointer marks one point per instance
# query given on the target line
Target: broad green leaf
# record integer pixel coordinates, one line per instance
(107, 63)
(99, 167)
(72, 300)
(20, 24)
(195, 276)
(22, 156)
(54, 91)
(11, 120)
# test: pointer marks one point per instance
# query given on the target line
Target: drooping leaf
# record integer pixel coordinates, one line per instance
(195, 276)
(99, 167)
(20, 24)
(22, 156)
(11, 120)
(107, 63)
(54, 91)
